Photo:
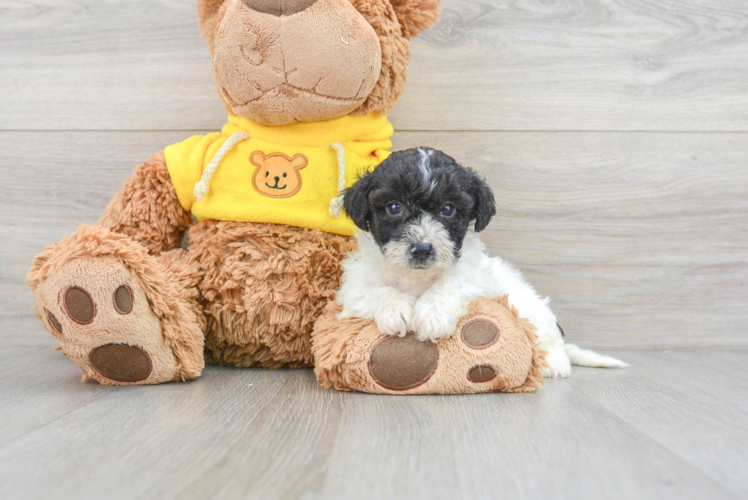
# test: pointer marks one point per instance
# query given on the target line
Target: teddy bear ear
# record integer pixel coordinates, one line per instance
(416, 15)
(257, 158)
(207, 11)
(299, 161)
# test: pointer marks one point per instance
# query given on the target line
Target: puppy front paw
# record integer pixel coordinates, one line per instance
(433, 320)
(559, 365)
(394, 316)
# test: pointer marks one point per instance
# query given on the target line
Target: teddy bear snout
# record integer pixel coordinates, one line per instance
(320, 63)
(279, 7)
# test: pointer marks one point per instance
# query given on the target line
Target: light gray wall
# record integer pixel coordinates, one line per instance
(615, 134)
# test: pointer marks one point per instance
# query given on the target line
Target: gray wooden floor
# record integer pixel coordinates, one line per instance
(615, 134)
(671, 426)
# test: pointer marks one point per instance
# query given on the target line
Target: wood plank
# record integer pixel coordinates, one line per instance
(276, 434)
(581, 65)
(696, 410)
(37, 387)
(500, 65)
(638, 238)
(269, 428)
(59, 181)
(553, 443)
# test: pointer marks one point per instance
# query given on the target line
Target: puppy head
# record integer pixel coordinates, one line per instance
(418, 205)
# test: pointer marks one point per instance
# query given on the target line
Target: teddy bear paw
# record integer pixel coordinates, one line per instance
(99, 312)
(491, 349)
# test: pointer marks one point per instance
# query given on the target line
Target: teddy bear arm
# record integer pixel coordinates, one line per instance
(147, 208)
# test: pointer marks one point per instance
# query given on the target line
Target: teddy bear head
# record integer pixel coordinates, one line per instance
(278, 62)
(277, 175)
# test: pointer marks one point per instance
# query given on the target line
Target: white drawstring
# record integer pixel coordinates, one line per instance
(336, 204)
(201, 188)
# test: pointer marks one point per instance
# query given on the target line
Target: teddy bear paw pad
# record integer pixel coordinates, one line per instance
(480, 333)
(121, 362)
(54, 321)
(123, 299)
(481, 373)
(402, 363)
(79, 305)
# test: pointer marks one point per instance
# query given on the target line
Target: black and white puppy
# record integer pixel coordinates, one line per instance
(420, 261)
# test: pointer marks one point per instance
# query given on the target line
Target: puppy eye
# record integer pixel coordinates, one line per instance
(285, 175)
(448, 210)
(394, 209)
(267, 173)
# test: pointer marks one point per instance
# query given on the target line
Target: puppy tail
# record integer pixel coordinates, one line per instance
(585, 357)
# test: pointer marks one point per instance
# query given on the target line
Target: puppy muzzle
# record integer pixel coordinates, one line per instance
(421, 254)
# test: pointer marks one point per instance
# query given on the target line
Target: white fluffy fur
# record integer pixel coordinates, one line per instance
(381, 286)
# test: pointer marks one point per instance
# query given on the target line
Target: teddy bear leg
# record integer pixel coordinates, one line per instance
(122, 315)
(264, 286)
(492, 350)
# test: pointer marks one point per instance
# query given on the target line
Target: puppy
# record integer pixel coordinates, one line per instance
(420, 261)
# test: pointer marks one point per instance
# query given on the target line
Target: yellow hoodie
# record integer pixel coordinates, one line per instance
(284, 175)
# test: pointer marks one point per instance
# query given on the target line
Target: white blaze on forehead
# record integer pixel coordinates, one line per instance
(425, 166)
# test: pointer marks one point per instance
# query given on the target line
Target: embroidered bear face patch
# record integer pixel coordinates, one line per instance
(277, 175)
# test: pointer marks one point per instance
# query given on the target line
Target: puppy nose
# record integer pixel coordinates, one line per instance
(277, 179)
(279, 7)
(421, 251)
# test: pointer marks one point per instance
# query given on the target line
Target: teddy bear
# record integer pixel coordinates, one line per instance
(226, 248)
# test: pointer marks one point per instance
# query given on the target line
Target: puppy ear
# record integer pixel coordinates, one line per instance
(416, 15)
(356, 201)
(485, 206)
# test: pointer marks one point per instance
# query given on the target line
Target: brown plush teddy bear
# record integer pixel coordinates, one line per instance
(307, 85)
